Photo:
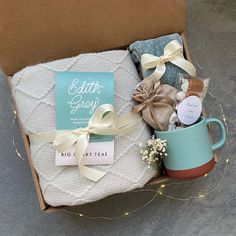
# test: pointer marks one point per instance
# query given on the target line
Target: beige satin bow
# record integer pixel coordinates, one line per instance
(156, 102)
(173, 52)
(162, 101)
(102, 122)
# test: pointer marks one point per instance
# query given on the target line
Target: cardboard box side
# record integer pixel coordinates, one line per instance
(186, 48)
(43, 205)
(41, 31)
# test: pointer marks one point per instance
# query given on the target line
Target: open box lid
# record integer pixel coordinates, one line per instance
(38, 31)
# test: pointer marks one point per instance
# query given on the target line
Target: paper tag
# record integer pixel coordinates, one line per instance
(189, 110)
(96, 154)
(78, 94)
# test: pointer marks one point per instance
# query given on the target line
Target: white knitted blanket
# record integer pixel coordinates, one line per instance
(33, 89)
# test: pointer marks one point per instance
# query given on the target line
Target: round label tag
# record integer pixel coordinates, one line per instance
(189, 110)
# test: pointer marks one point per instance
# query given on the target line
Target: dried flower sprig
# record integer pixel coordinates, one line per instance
(154, 151)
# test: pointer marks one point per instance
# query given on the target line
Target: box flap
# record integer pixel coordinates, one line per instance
(38, 31)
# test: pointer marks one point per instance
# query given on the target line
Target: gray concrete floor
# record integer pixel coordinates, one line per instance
(211, 33)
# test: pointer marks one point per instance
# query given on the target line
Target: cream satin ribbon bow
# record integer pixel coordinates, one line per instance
(102, 122)
(173, 52)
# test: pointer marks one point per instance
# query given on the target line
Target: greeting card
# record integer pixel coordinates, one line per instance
(77, 96)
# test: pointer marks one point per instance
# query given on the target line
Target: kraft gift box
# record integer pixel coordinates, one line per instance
(43, 31)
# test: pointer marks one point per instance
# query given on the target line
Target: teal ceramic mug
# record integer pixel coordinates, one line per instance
(189, 151)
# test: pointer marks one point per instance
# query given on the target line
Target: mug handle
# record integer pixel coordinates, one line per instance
(222, 139)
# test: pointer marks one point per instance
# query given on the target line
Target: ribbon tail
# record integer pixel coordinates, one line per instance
(184, 64)
(149, 61)
(103, 113)
(121, 125)
(61, 139)
(80, 149)
(158, 72)
(44, 137)
(127, 122)
(90, 173)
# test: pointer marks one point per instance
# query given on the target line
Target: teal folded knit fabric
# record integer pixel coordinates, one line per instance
(156, 47)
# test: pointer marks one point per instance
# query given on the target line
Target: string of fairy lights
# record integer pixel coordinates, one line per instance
(162, 189)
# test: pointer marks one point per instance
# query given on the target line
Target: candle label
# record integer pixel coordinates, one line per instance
(78, 94)
(189, 110)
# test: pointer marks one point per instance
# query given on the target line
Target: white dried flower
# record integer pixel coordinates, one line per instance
(154, 151)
